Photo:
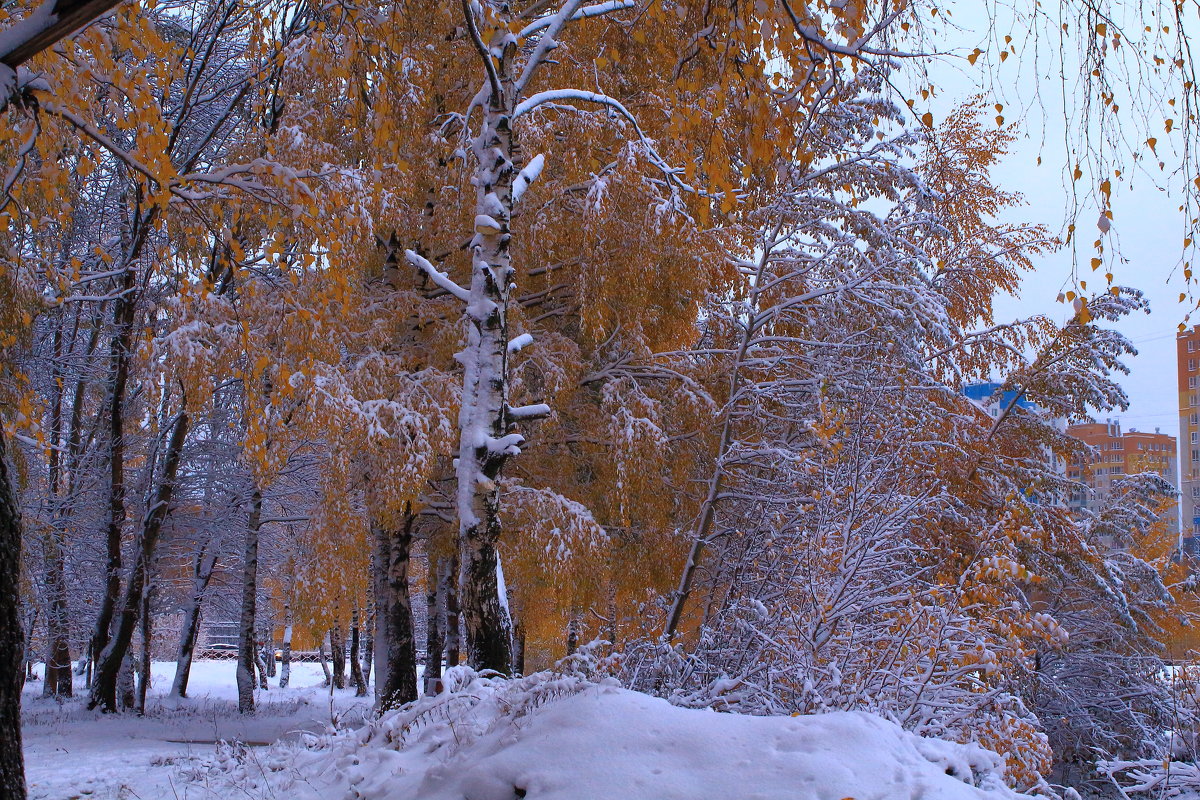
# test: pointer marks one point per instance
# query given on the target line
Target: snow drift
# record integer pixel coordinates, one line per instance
(552, 737)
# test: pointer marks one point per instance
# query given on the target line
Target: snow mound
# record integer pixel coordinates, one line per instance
(554, 737)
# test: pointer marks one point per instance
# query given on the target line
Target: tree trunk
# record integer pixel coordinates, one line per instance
(119, 357)
(12, 638)
(261, 663)
(58, 634)
(573, 633)
(285, 663)
(434, 624)
(369, 644)
(486, 422)
(324, 662)
(337, 652)
(380, 558)
(202, 570)
(147, 642)
(125, 692)
(401, 650)
(453, 623)
(245, 666)
(58, 680)
(269, 655)
(116, 651)
(518, 647)
(356, 673)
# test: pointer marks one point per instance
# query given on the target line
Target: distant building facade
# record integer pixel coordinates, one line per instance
(1187, 354)
(1116, 454)
(993, 401)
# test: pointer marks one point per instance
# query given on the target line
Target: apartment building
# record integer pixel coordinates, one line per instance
(1118, 453)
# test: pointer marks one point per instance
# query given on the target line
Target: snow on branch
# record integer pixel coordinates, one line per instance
(582, 95)
(547, 43)
(520, 343)
(527, 176)
(583, 13)
(440, 278)
(509, 445)
(535, 411)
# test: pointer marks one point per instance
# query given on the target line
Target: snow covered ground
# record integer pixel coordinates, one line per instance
(543, 737)
(71, 752)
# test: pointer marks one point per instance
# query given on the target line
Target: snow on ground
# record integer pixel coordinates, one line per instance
(72, 753)
(548, 737)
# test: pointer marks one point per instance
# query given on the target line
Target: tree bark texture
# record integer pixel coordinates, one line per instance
(108, 664)
(246, 655)
(12, 639)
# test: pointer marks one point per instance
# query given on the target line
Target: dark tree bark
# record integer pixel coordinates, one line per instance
(30, 36)
(337, 652)
(380, 556)
(356, 673)
(12, 638)
(453, 625)
(434, 624)
(246, 659)
(104, 689)
(401, 649)
(518, 647)
(118, 381)
(58, 682)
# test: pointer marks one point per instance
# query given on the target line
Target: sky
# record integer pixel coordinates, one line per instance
(1147, 223)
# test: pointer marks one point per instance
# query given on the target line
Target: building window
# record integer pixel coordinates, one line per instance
(1191, 347)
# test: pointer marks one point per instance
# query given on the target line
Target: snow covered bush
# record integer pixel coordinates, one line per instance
(551, 736)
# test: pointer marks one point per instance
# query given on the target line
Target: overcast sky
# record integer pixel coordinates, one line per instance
(1148, 225)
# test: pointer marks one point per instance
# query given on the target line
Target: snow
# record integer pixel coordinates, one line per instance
(71, 752)
(554, 737)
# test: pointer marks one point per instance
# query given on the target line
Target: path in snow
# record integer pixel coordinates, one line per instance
(75, 754)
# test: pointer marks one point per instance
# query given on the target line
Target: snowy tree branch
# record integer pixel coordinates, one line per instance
(442, 280)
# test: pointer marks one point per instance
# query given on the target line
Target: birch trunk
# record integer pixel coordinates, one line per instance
(202, 571)
(245, 665)
(356, 673)
(486, 440)
(380, 557)
(324, 662)
(400, 651)
(285, 662)
(369, 643)
(12, 639)
(337, 652)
